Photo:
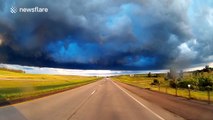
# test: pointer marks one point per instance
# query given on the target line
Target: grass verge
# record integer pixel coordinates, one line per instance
(142, 81)
(17, 87)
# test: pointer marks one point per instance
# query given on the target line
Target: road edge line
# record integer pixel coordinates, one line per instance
(138, 101)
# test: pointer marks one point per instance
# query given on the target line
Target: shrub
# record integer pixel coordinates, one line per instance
(172, 84)
(155, 82)
(185, 83)
(203, 82)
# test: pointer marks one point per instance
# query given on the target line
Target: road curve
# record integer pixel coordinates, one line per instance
(102, 100)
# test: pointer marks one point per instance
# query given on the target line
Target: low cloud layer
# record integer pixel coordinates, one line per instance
(78, 72)
(103, 34)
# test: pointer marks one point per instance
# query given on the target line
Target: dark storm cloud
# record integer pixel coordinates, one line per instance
(103, 34)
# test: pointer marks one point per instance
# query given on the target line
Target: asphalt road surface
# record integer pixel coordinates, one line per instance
(102, 100)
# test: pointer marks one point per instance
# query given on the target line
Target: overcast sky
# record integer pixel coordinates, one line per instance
(108, 34)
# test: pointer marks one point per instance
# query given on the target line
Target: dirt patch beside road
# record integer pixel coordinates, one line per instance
(188, 109)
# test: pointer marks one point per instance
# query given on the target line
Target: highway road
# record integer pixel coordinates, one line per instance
(102, 100)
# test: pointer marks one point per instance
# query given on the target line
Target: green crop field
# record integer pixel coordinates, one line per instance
(143, 81)
(16, 86)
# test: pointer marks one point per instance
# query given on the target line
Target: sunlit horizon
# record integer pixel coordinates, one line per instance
(81, 72)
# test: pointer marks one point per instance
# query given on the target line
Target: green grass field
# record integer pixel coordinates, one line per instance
(17, 86)
(143, 81)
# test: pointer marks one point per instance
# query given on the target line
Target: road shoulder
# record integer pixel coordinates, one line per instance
(177, 105)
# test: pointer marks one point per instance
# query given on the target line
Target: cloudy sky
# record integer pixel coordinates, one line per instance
(79, 72)
(108, 34)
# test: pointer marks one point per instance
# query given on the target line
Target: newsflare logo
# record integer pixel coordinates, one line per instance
(36, 9)
(13, 9)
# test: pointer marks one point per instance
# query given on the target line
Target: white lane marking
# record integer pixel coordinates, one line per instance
(139, 102)
(80, 105)
(93, 92)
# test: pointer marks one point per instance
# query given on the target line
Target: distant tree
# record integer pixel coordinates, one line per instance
(207, 69)
(167, 77)
(181, 74)
(149, 74)
(172, 74)
(156, 75)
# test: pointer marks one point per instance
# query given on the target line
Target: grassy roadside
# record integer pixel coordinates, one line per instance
(143, 81)
(16, 86)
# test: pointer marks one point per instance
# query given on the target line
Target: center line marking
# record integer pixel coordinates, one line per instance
(139, 102)
(93, 92)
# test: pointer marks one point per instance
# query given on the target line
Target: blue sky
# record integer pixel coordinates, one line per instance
(107, 34)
